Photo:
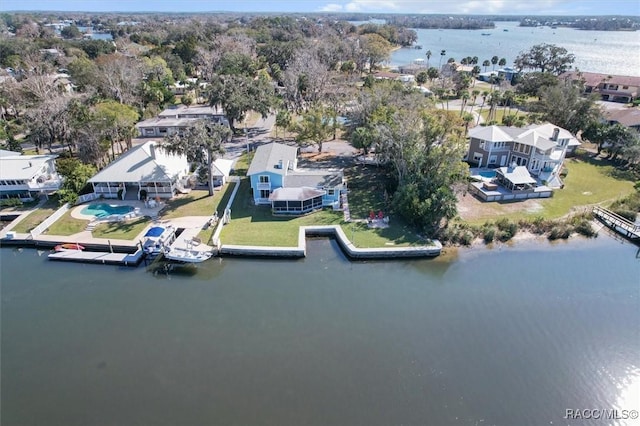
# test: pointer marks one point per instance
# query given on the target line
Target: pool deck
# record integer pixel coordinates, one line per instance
(139, 208)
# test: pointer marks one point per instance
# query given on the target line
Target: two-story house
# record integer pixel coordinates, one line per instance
(615, 88)
(27, 176)
(541, 148)
(176, 119)
(277, 180)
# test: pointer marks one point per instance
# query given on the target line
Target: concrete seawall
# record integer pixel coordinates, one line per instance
(347, 246)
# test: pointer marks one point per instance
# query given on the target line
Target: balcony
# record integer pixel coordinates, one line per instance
(264, 186)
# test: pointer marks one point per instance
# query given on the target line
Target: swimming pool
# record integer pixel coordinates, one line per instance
(488, 174)
(104, 210)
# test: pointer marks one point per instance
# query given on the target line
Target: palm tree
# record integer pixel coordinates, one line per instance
(474, 96)
(494, 61)
(485, 64)
(464, 98)
(428, 55)
(467, 118)
(484, 99)
(502, 62)
(442, 53)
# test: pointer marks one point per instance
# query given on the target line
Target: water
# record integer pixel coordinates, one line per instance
(509, 336)
(104, 210)
(610, 52)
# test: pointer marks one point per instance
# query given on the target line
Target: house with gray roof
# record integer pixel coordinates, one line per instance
(146, 170)
(178, 118)
(27, 176)
(541, 148)
(276, 180)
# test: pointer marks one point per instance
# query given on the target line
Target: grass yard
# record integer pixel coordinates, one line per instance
(121, 230)
(242, 164)
(590, 181)
(255, 225)
(195, 203)
(67, 225)
(38, 216)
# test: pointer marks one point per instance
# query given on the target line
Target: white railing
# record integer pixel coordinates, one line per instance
(264, 185)
(44, 225)
(86, 197)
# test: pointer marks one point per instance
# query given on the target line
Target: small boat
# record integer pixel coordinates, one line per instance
(68, 247)
(505, 30)
(187, 255)
(157, 238)
(486, 34)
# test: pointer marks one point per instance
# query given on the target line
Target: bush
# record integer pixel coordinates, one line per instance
(560, 231)
(489, 235)
(507, 229)
(627, 214)
(11, 202)
(466, 238)
(583, 227)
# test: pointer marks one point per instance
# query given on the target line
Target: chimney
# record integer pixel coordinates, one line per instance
(556, 132)
(279, 164)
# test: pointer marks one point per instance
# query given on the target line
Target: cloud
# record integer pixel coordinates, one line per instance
(331, 7)
(483, 7)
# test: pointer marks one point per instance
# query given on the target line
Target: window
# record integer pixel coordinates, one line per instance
(162, 130)
(477, 158)
(331, 192)
(263, 179)
(625, 87)
(493, 159)
(264, 193)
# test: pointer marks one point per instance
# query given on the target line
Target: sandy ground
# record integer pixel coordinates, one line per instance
(471, 208)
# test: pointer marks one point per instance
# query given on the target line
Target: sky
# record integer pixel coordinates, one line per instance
(494, 7)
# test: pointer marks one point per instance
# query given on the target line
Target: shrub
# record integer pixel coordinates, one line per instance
(627, 214)
(583, 227)
(489, 235)
(11, 202)
(507, 229)
(466, 238)
(560, 231)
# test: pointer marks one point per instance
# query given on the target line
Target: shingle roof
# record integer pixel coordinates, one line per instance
(223, 167)
(314, 178)
(267, 158)
(627, 117)
(147, 162)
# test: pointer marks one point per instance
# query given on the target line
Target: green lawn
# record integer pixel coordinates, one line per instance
(195, 203)
(67, 225)
(242, 164)
(38, 216)
(590, 181)
(255, 225)
(121, 230)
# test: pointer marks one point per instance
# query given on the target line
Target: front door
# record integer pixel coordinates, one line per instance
(503, 160)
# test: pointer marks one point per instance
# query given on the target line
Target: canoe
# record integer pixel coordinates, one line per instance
(68, 246)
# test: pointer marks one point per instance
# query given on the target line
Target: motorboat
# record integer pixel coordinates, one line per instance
(157, 238)
(187, 255)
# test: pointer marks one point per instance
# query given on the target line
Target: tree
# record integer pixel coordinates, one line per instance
(424, 151)
(428, 55)
(201, 143)
(494, 61)
(546, 58)
(283, 120)
(442, 55)
(76, 175)
(375, 49)
(432, 73)
(532, 83)
(70, 32)
(363, 138)
(422, 77)
(117, 121)
(564, 106)
(502, 62)
(485, 64)
(314, 127)
(237, 94)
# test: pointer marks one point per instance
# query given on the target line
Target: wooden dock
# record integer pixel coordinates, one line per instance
(618, 223)
(105, 258)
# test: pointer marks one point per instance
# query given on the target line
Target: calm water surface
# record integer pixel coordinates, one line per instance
(511, 336)
(612, 52)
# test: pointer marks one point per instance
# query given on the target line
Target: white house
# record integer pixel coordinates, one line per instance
(541, 148)
(176, 119)
(145, 169)
(27, 176)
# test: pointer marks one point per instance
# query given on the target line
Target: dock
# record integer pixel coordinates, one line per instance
(105, 258)
(618, 223)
